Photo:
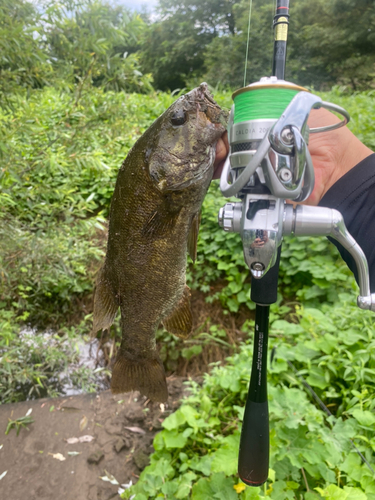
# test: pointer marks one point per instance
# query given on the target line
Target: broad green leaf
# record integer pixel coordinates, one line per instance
(174, 420)
(185, 485)
(169, 488)
(189, 352)
(192, 416)
(364, 417)
(251, 493)
(333, 492)
(354, 493)
(368, 484)
(218, 487)
(225, 459)
(352, 466)
(286, 327)
(202, 490)
(174, 439)
(202, 464)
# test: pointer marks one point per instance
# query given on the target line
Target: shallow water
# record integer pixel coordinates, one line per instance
(90, 356)
(86, 374)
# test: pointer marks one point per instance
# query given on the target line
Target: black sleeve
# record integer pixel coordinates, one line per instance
(354, 196)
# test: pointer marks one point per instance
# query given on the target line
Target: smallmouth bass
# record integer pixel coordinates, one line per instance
(153, 223)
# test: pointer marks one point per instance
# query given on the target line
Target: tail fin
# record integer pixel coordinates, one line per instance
(146, 376)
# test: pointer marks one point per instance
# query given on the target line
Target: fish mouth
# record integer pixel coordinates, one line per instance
(207, 104)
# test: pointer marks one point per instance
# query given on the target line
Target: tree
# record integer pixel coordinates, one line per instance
(333, 41)
(74, 41)
(173, 48)
(95, 41)
(330, 42)
(23, 63)
(225, 55)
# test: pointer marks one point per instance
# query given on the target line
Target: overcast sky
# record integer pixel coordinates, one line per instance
(137, 4)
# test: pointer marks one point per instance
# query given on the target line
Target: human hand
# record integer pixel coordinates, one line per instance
(222, 150)
(333, 153)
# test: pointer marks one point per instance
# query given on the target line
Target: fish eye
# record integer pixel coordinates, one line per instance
(178, 117)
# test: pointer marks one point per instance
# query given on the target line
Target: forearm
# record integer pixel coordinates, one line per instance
(353, 195)
(333, 153)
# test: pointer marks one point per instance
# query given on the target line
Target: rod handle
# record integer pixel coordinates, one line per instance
(253, 459)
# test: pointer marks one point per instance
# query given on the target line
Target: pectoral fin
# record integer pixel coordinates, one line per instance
(160, 223)
(105, 304)
(193, 236)
(180, 322)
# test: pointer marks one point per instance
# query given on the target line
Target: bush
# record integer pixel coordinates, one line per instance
(312, 454)
(47, 272)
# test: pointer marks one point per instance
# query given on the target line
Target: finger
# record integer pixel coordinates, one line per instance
(222, 150)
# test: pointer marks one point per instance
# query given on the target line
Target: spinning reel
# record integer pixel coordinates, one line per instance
(269, 163)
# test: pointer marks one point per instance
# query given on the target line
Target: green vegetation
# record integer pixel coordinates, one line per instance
(330, 42)
(79, 42)
(77, 89)
(19, 423)
(312, 455)
(53, 235)
(73, 42)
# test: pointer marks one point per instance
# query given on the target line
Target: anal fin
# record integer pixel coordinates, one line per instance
(105, 304)
(180, 322)
(144, 375)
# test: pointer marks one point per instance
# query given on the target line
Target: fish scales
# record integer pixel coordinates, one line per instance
(154, 220)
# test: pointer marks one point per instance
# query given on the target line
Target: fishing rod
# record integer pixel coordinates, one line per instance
(269, 163)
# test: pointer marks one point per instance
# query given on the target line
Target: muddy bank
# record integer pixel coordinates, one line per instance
(44, 462)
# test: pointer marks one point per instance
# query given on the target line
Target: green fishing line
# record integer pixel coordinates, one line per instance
(262, 104)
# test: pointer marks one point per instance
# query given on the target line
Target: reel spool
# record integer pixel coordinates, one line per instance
(256, 108)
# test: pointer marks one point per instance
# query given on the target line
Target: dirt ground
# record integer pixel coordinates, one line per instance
(42, 464)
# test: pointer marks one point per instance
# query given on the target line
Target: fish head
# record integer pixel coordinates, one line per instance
(183, 153)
